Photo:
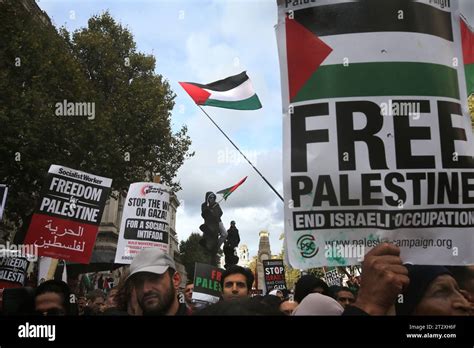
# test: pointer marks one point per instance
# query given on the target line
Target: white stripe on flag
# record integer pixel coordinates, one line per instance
(241, 92)
(386, 47)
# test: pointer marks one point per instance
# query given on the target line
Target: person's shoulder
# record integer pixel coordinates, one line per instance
(353, 310)
(184, 310)
(114, 312)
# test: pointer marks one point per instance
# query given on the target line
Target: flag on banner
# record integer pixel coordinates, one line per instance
(467, 37)
(234, 92)
(226, 192)
(318, 68)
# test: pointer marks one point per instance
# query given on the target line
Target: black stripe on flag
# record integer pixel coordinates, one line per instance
(376, 16)
(225, 84)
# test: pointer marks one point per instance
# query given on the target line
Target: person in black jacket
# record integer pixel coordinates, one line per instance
(214, 233)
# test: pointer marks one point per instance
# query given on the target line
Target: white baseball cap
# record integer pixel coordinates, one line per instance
(275, 292)
(152, 260)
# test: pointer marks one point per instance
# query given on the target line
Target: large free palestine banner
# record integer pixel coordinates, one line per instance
(377, 137)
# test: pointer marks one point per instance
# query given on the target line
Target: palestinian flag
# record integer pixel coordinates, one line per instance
(467, 36)
(235, 92)
(226, 192)
(365, 48)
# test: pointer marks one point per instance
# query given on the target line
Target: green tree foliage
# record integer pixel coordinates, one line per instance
(191, 252)
(318, 272)
(130, 137)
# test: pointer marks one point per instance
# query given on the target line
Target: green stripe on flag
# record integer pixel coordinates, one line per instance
(469, 70)
(252, 103)
(380, 79)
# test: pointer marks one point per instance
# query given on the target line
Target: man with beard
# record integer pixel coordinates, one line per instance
(154, 278)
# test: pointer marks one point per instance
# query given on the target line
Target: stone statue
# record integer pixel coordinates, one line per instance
(232, 242)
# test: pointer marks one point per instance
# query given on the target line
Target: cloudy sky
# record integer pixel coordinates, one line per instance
(203, 41)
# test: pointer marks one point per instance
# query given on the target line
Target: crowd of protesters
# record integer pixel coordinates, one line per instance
(151, 287)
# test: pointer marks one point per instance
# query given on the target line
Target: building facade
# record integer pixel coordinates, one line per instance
(243, 254)
(264, 253)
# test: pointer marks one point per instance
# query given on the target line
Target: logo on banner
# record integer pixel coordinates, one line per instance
(307, 246)
(150, 189)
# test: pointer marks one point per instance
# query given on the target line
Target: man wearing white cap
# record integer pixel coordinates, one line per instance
(155, 280)
(276, 292)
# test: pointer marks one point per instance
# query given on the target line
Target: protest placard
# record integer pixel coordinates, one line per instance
(68, 215)
(274, 275)
(13, 272)
(377, 141)
(145, 220)
(207, 283)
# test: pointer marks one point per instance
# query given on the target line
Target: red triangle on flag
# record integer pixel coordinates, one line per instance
(305, 52)
(198, 94)
(467, 37)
